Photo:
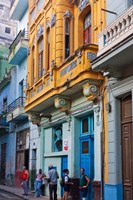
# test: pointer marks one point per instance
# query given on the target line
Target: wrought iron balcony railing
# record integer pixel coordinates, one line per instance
(19, 102)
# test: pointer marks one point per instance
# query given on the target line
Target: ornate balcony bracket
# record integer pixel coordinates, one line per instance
(91, 90)
(63, 104)
(35, 118)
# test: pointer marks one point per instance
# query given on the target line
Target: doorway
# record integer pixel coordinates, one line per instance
(87, 150)
(3, 163)
(127, 147)
(64, 165)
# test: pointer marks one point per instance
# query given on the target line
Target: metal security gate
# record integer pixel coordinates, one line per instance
(127, 147)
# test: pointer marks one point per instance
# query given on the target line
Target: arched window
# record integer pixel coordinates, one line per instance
(67, 37)
(87, 28)
(40, 57)
(33, 66)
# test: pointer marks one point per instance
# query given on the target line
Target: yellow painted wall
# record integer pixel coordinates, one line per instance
(43, 17)
(59, 7)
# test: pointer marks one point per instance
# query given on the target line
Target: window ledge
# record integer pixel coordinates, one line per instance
(56, 154)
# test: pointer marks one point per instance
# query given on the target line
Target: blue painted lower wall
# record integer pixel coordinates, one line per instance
(113, 192)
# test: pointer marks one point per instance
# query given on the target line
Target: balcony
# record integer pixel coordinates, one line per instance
(5, 80)
(3, 123)
(18, 9)
(15, 111)
(66, 79)
(19, 48)
(116, 47)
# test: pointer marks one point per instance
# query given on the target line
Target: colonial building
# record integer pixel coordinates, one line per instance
(63, 93)
(7, 33)
(26, 135)
(116, 61)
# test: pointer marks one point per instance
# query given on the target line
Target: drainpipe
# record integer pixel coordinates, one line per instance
(102, 168)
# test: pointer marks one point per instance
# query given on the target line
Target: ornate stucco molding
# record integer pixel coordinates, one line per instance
(53, 20)
(68, 14)
(40, 31)
(62, 103)
(83, 4)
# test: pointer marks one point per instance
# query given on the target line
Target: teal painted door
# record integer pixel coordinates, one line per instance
(64, 165)
(87, 150)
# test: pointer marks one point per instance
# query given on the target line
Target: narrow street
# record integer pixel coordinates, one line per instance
(8, 196)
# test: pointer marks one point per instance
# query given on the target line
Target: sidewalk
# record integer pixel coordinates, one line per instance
(18, 192)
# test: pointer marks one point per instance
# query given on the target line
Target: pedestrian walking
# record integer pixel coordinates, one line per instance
(67, 183)
(25, 180)
(84, 182)
(52, 179)
(38, 183)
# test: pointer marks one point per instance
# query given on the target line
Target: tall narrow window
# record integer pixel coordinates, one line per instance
(48, 49)
(40, 57)
(87, 29)
(67, 38)
(21, 88)
(33, 66)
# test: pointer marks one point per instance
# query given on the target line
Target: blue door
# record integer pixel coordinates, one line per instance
(64, 165)
(87, 150)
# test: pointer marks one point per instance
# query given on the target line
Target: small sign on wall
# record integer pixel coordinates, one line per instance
(67, 144)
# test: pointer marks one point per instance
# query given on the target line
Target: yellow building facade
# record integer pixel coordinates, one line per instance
(63, 92)
(61, 47)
